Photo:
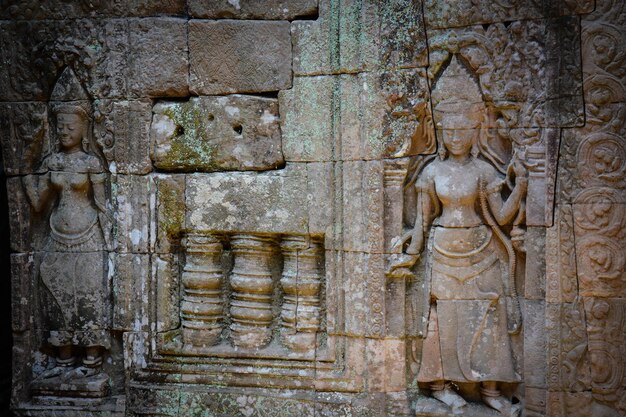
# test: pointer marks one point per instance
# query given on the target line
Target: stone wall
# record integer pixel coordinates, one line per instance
(206, 199)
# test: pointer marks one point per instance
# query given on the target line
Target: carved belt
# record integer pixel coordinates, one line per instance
(70, 240)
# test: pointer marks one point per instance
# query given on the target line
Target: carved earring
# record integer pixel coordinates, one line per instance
(442, 153)
(475, 151)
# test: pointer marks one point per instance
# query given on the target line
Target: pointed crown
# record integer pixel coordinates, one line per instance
(457, 93)
(69, 96)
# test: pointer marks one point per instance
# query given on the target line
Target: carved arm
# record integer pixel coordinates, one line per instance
(98, 182)
(505, 211)
(38, 191)
(400, 265)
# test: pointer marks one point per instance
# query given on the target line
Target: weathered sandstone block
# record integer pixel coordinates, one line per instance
(263, 10)
(231, 56)
(204, 134)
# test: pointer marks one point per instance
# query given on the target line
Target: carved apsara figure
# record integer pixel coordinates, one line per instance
(70, 194)
(471, 306)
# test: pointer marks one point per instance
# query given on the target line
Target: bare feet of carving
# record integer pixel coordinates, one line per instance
(449, 397)
(491, 396)
(54, 372)
(499, 403)
(80, 372)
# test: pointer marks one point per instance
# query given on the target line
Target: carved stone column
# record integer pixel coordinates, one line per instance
(393, 181)
(541, 163)
(251, 281)
(202, 308)
(301, 282)
(536, 200)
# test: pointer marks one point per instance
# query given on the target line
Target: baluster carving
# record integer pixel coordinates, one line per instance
(202, 308)
(301, 282)
(251, 281)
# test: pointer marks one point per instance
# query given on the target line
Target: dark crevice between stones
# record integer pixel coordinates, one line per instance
(6, 339)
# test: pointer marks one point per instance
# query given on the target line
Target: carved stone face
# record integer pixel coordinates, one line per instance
(70, 129)
(459, 132)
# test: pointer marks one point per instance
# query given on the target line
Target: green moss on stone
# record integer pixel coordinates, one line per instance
(191, 148)
(171, 209)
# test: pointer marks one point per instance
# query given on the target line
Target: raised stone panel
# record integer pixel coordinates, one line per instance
(265, 202)
(321, 201)
(363, 286)
(158, 60)
(262, 10)
(205, 134)
(466, 12)
(231, 56)
(535, 344)
(535, 279)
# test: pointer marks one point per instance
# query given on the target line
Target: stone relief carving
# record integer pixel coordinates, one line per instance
(252, 233)
(469, 287)
(69, 192)
(252, 293)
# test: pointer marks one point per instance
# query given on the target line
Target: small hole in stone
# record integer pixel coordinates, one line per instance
(180, 131)
(238, 129)
(210, 117)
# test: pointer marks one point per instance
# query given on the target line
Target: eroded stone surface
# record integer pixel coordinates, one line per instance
(465, 13)
(352, 36)
(26, 142)
(61, 10)
(122, 129)
(168, 222)
(247, 201)
(158, 63)
(314, 288)
(470, 282)
(34, 52)
(517, 67)
(239, 56)
(275, 9)
(379, 115)
(132, 212)
(238, 133)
